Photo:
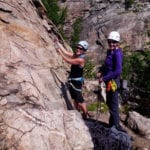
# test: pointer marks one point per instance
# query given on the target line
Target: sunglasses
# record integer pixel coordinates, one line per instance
(112, 41)
(80, 48)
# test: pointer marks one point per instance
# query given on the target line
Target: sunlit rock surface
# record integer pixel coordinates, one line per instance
(33, 110)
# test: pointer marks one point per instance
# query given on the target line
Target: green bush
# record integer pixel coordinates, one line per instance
(89, 71)
(136, 68)
(102, 107)
(127, 68)
(125, 109)
(129, 3)
(77, 28)
(148, 43)
(54, 12)
(148, 33)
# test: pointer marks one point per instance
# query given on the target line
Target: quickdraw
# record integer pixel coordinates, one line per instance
(111, 86)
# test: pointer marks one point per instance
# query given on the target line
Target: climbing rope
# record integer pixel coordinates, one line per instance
(101, 96)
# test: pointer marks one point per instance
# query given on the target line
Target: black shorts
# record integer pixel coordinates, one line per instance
(75, 88)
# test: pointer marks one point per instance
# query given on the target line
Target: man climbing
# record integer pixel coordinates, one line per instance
(75, 80)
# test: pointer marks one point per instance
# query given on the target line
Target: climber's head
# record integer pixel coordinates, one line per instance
(113, 39)
(83, 45)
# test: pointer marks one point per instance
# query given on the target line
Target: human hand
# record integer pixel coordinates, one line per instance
(58, 50)
(98, 75)
(100, 79)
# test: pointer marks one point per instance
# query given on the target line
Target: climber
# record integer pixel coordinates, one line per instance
(111, 72)
(75, 79)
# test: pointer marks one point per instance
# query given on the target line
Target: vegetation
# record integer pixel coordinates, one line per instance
(127, 67)
(136, 69)
(54, 12)
(89, 71)
(148, 43)
(148, 33)
(125, 109)
(58, 16)
(136, 66)
(102, 107)
(129, 3)
(77, 27)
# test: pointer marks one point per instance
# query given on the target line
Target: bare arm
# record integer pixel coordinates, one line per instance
(73, 61)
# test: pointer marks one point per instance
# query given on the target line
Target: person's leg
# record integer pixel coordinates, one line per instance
(77, 106)
(83, 107)
(76, 95)
(85, 113)
(79, 100)
(112, 102)
(115, 108)
(81, 104)
(73, 96)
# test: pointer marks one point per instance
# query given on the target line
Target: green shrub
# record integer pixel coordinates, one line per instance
(148, 43)
(102, 107)
(77, 28)
(148, 33)
(127, 68)
(62, 16)
(89, 71)
(129, 3)
(54, 12)
(136, 68)
(125, 109)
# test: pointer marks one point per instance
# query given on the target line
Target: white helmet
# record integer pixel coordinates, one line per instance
(114, 35)
(84, 44)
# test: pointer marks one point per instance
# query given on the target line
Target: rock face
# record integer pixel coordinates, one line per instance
(33, 110)
(101, 17)
(139, 124)
(76, 9)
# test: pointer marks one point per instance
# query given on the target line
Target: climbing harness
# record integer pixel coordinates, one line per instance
(70, 84)
(80, 79)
